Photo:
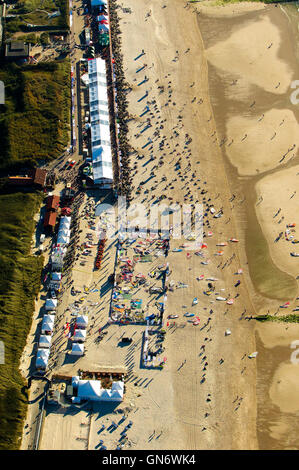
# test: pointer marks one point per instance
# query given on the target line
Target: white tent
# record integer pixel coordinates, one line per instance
(65, 222)
(89, 389)
(45, 341)
(48, 324)
(96, 3)
(117, 386)
(82, 321)
(106, 395)
(116, 395)
(42, 358)
(99, 120)
(64, 232)
(51, 304)
(63, 240)
(77, 349)
(93, 390)
(80, 335)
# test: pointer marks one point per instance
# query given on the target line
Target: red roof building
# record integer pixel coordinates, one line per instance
(50, 219)
(53, 203)
(39, 177)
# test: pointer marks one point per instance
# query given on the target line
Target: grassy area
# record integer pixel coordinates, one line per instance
(19, 285)
(291, 318)
(38, 12)
(34, 121)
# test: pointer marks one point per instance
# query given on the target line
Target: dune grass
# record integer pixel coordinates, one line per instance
(34, 122)
(291, 318)
(19, 284)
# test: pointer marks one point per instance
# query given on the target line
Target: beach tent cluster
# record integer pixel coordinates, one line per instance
(92, 390)
(99, 124)
(103, 24)
(63, 239)
(79, 335)
(45, 339)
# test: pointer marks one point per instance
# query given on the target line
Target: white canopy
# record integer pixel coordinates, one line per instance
(96, 3)
(65, 221)
(93, 390)
(80, 335)
(45, 341)
(64, 232)
(82, 320)
(42, 358)
(51, 304)
(77, 349)
(99, 120)
(116, 395)
(63, 240)
(117, 386)
(48, 323)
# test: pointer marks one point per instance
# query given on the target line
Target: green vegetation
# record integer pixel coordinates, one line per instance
(291, 318)
(44, 39)
(19, 285)
(38, 13)
(34, 121)
(34, 125)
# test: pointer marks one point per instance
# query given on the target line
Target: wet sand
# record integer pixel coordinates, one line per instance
(252, 62)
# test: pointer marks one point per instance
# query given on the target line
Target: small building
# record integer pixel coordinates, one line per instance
(52, 203)
(15, 50)
(39, 177)
(50, 220)
(20, 180)
(77, 349)
(36, 177)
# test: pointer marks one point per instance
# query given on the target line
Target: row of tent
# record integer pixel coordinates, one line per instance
(47, 329)
(63, 239)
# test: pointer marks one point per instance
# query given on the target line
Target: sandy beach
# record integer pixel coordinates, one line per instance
(210, 121)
